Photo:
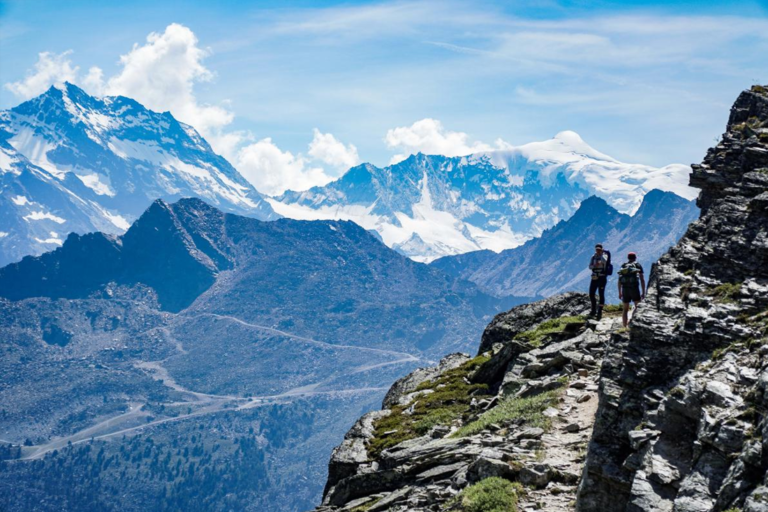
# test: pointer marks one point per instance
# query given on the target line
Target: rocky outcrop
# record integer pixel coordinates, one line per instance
(506, 326)
(673, 408)
(527, 418)
(682, 399)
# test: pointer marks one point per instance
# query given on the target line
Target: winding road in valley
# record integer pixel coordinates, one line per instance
(135, 420)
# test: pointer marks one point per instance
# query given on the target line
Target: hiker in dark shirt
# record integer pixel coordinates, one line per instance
(631, 279)
(599, 267)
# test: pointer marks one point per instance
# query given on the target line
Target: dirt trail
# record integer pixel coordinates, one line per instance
(564, 447)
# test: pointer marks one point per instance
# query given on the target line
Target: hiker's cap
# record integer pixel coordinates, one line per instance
(632, 255)
(598, 246)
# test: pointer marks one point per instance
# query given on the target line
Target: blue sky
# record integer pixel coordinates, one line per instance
(286, 92)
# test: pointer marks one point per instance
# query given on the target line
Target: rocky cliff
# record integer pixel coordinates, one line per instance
(560, 413)
(682, 399)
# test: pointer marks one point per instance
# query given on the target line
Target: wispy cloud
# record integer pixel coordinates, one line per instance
(648, 84)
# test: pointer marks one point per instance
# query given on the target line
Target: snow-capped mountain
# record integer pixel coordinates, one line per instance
(70, 162)
(432, 206)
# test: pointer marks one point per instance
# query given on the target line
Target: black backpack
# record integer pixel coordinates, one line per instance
(608, 265)
(628, 275)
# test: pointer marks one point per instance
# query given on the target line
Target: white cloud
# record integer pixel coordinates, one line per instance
(162, 73)
(94, 81)
(273, 171)
(50, 69)
(326, 148)
(430, 137)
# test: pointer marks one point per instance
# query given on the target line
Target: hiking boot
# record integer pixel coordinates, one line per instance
(591, 314)
(599, 314)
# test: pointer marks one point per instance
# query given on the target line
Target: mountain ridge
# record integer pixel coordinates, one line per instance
(428, 206)
(557, 261)
(249, 342)
(75, 163)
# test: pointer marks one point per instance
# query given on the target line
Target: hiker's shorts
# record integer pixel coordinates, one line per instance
(630, 294)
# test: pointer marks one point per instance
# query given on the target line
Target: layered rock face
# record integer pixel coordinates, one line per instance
(682, 401)
(668, 415)
(521, 411)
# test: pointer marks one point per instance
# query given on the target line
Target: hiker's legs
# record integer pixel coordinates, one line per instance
(625, 313)
(601, 288)
(592, 290)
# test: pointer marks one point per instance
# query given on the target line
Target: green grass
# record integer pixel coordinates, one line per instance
(492, 494)
(611, 309)
(366, 506)
(760, 89)
(536, 336)
(725, 292)
(449, 401)
(758, 321)
(529, 409)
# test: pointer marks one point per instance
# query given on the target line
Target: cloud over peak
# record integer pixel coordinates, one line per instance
(430, 136)
(50, 69)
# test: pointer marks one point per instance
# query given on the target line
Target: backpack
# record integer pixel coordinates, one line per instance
(608, 265)
(628, 275)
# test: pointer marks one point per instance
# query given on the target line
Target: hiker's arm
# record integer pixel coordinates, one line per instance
(642, 283)
(591, 263)
(619, 285)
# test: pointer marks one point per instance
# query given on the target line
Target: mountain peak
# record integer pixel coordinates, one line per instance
(569, 137)
(100, 162)
(595, 204)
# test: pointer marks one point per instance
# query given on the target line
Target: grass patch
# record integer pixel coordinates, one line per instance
(536, 336)
(677, 392)
(452, 392)
(529, 409)
(760, 89)
(725, 292)
(492, 494)
(718, 353)
(366, 506)
(612, 309)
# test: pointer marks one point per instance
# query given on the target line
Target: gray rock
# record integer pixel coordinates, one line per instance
(483, 468)
(637, 438)
(438, 472)
(528, 433)
(391, 499)
(535, 476)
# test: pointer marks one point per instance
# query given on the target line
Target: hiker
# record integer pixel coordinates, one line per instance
(631, 278)
(600, 265)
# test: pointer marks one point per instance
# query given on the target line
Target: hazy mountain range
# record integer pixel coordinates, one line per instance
(558, 260)
(206, 324)
(70, 162)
